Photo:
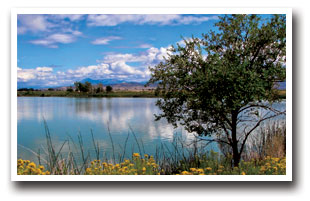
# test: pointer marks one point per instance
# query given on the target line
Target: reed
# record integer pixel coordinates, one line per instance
(176, 157)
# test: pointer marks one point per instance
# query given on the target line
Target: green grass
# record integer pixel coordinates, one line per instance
(146, 94)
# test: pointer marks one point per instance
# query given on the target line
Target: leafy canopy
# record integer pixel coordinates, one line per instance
(206, 84)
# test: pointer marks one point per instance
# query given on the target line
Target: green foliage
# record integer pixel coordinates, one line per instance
(212, 85)
(99, 88)
(86, 87)
(70, 89)
(108, 88)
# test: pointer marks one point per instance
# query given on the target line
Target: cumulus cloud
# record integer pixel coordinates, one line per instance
(93, 71)
(39, 73)
(150, 57)
(105, 40)
(116, 66)
(160, 19)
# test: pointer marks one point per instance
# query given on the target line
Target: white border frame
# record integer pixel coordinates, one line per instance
(289, 171)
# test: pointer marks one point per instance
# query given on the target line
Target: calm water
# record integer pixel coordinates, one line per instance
(66, 117)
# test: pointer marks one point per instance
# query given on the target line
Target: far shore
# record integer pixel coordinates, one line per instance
(133, 94)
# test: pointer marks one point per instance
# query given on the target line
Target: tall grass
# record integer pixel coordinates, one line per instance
(269, 141)
(171, 157)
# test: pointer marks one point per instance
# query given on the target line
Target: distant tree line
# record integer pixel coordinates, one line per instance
(88, 88)
(27, 89)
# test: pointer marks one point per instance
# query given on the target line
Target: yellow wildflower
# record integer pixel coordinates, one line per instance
(192, 169)
(200, 171)
(88, 170)
(185, 173)
(208, 169)
(32, 165)
(136, 155)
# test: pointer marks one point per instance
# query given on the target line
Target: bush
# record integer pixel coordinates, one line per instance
(108, 88)
(70, 89)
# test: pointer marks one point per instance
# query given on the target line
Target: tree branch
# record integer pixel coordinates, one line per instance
(257, 124)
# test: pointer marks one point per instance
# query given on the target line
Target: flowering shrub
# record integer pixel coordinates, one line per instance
(136, 166)
(25, 167)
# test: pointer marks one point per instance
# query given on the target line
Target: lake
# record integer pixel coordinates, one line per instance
(66, 118)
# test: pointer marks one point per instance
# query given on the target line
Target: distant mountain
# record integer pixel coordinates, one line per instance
(116, 83)
(110, 81)
(121, 84)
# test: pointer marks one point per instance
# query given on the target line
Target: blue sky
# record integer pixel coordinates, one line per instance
(56, 50)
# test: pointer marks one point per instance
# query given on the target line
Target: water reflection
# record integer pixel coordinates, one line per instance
(69, 116)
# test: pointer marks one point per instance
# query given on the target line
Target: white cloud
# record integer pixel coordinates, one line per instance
(51, 40)
(45, 23)
(144, 46)
(105, 40)
(116, 66)
(149, 57)
(71, 17)
(120, 67)
(54, 27)
(160, 19)
(39, 73)
(93, 71)
(197, 20)
(32, 23)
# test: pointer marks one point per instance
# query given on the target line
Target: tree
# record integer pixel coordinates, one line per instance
(108, 88)
(69, 89)
(76, 85)
(88, 87)
(99, 88)
(80, 87)
(214, 85)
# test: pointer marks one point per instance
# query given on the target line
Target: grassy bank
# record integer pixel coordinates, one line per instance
(85, 95)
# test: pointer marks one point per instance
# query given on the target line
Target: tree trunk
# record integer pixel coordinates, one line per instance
(236, 155)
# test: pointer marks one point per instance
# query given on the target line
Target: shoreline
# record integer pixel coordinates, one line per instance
(113, 94)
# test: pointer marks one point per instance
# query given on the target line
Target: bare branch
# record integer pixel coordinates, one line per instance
(254, 127)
